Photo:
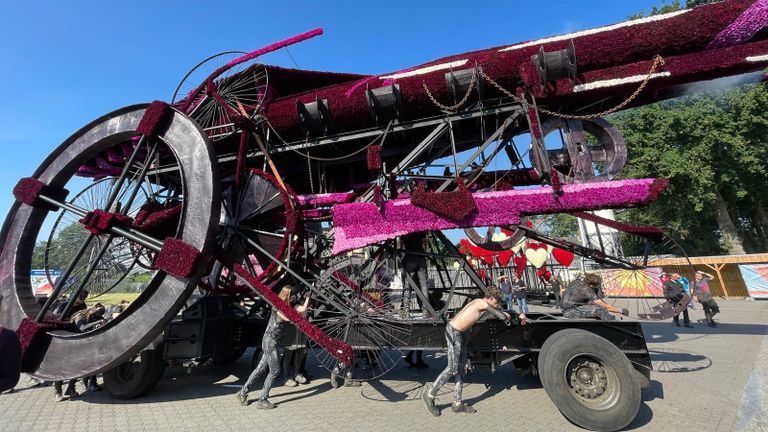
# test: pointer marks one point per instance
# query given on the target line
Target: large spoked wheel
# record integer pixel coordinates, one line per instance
(590, 380)
(634, 279)
(121, 256)
(254, 228)
(359, 307)
(176, 170)
(242, 88)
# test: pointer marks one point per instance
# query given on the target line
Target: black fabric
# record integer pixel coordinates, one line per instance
(577, 294)
(587, 311)
(519, 289)
(673, 290)
(711, 308)
(10, 359)
(686, 318)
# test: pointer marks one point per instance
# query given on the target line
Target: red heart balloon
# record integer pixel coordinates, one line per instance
(544, 274)
(464, 246)
(562, 256)
(520, 262)
(504, 258)
(533, 245)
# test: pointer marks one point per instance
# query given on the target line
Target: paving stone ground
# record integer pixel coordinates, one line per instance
(704, 379)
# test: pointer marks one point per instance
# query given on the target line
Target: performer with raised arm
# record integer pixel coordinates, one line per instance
(270, 358)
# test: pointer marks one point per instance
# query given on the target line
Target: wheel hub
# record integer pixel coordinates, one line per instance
(588, 379)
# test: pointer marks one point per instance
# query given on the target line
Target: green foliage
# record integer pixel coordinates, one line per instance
(112, 298)
(671, 7)
(704, 144)
(664, 8)
(62, 249)
(561, 225)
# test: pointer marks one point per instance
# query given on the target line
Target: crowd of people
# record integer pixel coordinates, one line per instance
(83, 318)
(677, 289)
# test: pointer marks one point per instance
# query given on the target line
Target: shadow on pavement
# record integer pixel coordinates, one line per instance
(654, 391)
(665, 331)
(644, 416)
(666, 360)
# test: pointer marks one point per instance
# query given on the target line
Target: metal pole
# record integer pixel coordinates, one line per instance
(62, 279)
(88, 274)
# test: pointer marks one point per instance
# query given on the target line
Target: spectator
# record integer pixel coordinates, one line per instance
(415, 267)
(580, 300)
(77, 306)
(295, 357)
(419, 364)
(293, 365)
(519, 287)
(664, 278)
(70, 393)
(117, 309)
(506, 291)
(674, 293)
(558, 287)
(684, 281)
(703, 295)
(84, 319)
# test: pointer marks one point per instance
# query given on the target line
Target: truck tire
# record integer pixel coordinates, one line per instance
(136, 377)
(589, 379)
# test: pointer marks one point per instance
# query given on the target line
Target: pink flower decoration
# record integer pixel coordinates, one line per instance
(360, 224)
(452, 205)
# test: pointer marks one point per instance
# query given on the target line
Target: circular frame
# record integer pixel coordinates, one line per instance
(72, 355)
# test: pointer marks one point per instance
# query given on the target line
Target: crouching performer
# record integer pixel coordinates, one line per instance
(270, 358)
(580, 300)
(456, 341)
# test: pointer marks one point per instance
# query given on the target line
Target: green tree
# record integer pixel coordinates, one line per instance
(711, 147)
(675, 5)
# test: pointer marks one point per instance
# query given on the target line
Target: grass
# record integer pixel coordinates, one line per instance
(112, 298)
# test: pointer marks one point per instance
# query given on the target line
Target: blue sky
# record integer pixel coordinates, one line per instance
(64, 64)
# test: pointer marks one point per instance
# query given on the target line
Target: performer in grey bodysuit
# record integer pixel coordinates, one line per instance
(270, 358)
(456, 340)
(580, 300)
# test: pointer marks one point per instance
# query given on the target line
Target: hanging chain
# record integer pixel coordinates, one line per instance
(309, 170)
(657, 61)
(382, 136)
(463, 100)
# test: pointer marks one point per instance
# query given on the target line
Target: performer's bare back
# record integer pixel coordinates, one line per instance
(470, 314)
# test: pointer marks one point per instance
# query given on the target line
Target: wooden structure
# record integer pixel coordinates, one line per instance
(728, 281)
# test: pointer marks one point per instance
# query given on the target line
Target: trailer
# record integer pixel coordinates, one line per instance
(261, 176)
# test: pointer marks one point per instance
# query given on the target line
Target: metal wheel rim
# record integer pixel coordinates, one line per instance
(586, 375)
(149, 316)
(366, 323)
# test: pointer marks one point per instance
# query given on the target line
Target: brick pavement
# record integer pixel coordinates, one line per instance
(703, 380)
